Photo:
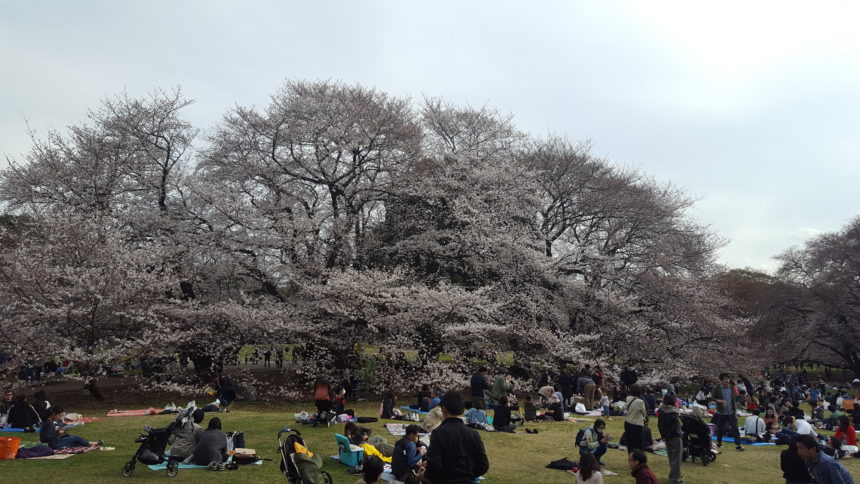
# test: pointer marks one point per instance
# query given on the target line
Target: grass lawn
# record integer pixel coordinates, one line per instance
(513, 458)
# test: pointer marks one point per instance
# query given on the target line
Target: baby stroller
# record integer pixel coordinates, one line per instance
(153, 444)
(299, 468)
(697, 439)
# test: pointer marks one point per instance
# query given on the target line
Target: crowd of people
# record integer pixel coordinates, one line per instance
(771, 408)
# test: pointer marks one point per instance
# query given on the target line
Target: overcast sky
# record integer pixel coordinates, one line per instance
(752, 107)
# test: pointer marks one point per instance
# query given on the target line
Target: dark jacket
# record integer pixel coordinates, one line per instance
(358, 437)
(478, 385)
(387, 408)
(456, 454)
(628, 377)
(644, 475)
(502, 417)
(566, 382)
(50, 432)
(669, 423)
(22, 416)
(792, 466)
(405, 457)
(211, 447)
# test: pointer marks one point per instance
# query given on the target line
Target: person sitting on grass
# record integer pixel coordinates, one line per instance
(211, 448)
(588, 472)
(529, 410)
(407, 455)
(22, 415)
(184, 439)
(638, 462)
(594, 441)
(823, 468)
(502, 417)
(359, 435)
(372, 469)
(423, 398)
(793, 468)
(53, 432)
(389, 407)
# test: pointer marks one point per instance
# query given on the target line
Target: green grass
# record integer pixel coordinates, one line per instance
(514, 459)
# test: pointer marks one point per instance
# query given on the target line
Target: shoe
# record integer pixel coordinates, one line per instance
(600, 462)
(739, 448)
(101, 442)
(719, 445)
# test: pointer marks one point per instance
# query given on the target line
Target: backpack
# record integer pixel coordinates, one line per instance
(580, 437)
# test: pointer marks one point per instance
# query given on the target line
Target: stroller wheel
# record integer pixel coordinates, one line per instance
(172, 468)
(128, 469)
(326, 477)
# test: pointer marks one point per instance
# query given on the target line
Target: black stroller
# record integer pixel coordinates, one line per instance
(697, 439)
(153, 444)
(299, 468)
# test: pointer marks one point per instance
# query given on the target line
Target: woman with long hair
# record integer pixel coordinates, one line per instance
(588, 472)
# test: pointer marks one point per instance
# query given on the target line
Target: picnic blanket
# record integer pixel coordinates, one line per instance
(743, 442)
(605, 472)
(77, 450)
(163, 465)
(399, 429)
(16, 429)
(80, 421)
(52, 457)
(406, 407)
(134, 413)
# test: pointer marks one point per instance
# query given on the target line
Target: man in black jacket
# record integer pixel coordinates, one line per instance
(456, 454)
(477, 387)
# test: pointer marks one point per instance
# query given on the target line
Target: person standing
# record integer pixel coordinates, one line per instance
(477, 387)
(636, 418)
(823, 468)
(502, 385)
(628, 377)
(567, 383)
(669, 424)
(456, 454)
(723, 394)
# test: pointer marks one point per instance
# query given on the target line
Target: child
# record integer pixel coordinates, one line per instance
(604, 402)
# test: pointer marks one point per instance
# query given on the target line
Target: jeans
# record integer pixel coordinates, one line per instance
(597, 453)
(675, 449)
(606, 412)
(69, 441)
(730, 421)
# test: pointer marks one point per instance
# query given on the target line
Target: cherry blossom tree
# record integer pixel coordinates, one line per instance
(813, 310)
(75, 289)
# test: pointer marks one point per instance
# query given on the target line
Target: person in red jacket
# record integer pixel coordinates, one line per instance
(845, 433)
(638, 462)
